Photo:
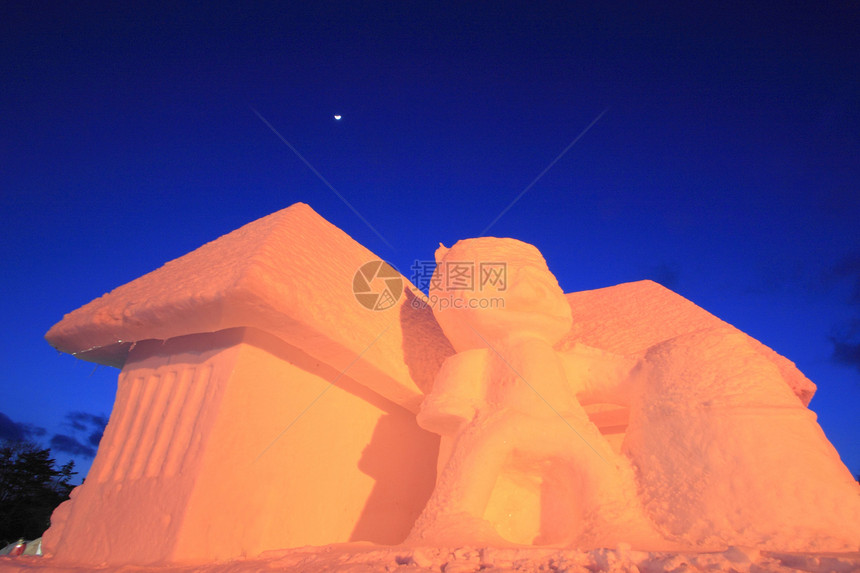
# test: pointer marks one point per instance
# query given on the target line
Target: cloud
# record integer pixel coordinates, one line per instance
(70, 445)
(95, 438)
(85, 434)
(839, 282)
(10, 430)
(846, 353)
(91, 426)
(846, 343)
(83, 421)
(18, 432)
(845, 336)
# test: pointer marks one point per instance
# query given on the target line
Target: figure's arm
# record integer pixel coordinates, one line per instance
(458, 391)
(597, 375)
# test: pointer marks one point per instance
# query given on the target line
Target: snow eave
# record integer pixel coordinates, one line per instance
(102, 333)
(288, 274)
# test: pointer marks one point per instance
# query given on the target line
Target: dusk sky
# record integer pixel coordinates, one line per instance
(713, 148)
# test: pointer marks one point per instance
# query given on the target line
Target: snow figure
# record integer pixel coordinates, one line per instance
(520, 460)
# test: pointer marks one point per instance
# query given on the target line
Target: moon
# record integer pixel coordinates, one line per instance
(337, 117)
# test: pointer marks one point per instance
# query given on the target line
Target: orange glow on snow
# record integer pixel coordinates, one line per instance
(260, 407)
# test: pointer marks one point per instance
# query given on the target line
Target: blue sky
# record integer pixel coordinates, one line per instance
(726, 164)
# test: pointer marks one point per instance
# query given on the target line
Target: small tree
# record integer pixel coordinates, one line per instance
(30, 489)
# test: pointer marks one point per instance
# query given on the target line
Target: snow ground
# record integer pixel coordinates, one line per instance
(365, 558)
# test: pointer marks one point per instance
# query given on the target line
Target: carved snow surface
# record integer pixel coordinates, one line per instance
(269, 400)
(289, 274)
(626, 414)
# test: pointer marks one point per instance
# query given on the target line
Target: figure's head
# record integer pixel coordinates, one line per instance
(495, 288)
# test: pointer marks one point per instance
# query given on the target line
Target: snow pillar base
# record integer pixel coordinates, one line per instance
(214, 448)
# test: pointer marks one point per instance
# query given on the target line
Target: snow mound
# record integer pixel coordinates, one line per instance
(270, 398)
(459, 559)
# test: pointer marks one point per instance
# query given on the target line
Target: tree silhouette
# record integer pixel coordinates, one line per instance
(30, 488)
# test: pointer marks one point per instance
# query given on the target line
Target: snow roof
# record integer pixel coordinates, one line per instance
(290, 274)
(630, 318)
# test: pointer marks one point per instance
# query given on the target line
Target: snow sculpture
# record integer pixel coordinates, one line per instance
(714, 423)
(726, 450)
(265, 403)
(505, 405)
(259, 406)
